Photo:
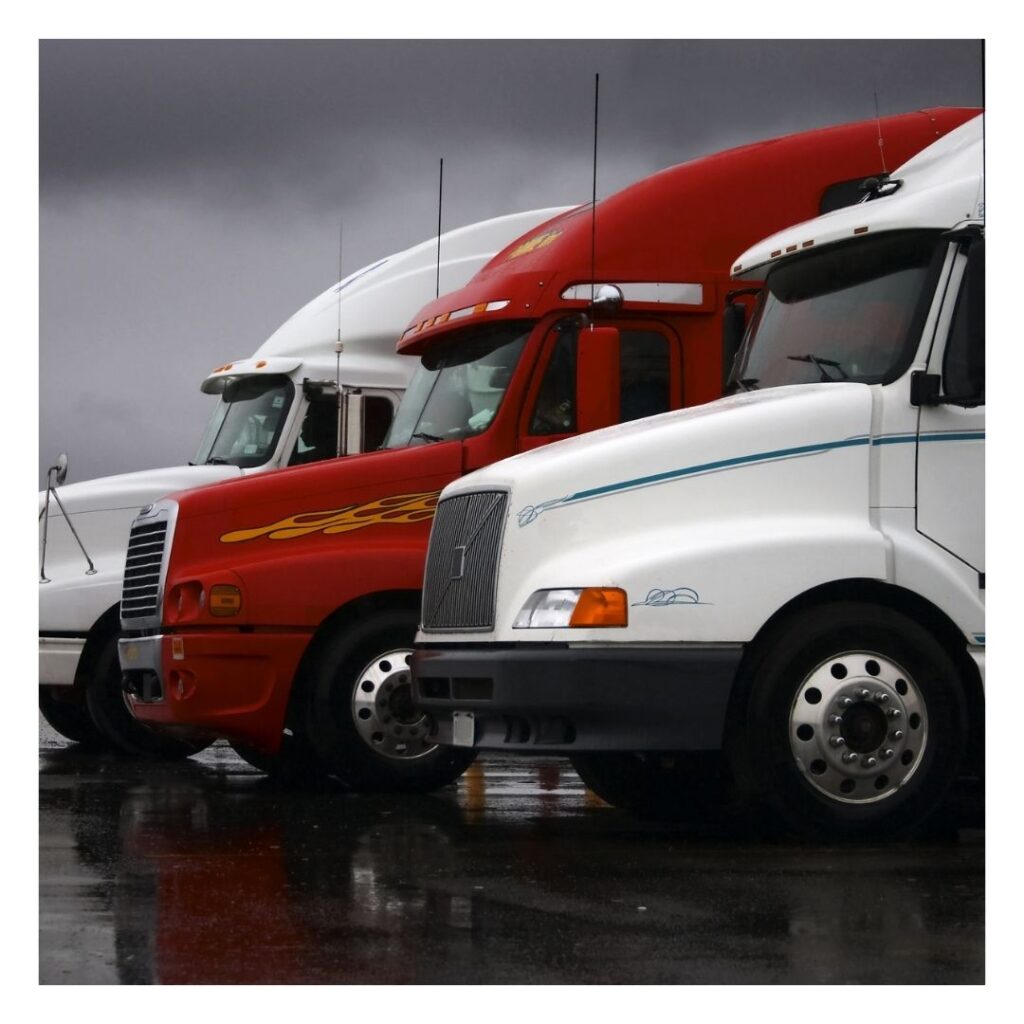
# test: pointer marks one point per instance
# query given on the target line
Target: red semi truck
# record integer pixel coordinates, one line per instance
(279, 611)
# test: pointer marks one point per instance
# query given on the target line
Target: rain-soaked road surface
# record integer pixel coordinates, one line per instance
(203, 872)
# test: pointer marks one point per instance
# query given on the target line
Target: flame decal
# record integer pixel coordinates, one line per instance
(532, 244)
(393, 510)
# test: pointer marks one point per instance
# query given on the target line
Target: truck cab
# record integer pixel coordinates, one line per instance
(779, 596)
(296, 399)
(280, 612)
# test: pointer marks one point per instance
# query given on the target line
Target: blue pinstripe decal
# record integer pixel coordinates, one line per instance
(530, 513)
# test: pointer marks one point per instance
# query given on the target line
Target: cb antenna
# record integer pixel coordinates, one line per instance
(881, 141)
(593, 203)
(440, 197)
(338, 345)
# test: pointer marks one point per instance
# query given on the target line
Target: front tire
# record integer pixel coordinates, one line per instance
(853, 725)
(66, 713)
(359, 717)
(111, 717)
(688, 787)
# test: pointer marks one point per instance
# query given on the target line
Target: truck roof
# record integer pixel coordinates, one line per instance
(374, 305)
(941, 187)
(663, 233)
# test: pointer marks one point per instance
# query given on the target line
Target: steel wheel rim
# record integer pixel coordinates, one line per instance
(382, 712)
(858, 727)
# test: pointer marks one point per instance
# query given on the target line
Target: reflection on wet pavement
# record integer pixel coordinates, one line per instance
(204, 871)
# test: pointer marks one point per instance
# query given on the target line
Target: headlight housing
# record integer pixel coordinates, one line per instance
(578, 607)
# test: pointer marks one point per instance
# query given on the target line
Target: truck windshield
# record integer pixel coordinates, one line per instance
(247, 422)
(850, 313)
(457, 388)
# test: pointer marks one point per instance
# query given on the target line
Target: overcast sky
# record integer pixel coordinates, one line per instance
(190, 191)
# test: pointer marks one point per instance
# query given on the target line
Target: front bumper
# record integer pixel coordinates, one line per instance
(234, 686)
(557, 698)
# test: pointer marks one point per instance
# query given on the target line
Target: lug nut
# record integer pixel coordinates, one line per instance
(898, 734)
(870, 762)
(836, 741)
(894, 712)
(849, 757)
(845, 702)
(881, 698)
(835, 720)
(863, 694)
(888, 752)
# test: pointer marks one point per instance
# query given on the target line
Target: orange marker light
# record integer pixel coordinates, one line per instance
(225, 599)
(601, 606)
(261, 364)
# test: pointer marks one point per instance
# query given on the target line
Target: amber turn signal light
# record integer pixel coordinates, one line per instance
(225, 599)
(600, 606)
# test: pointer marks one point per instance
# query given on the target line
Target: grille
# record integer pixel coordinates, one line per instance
(462, 562)
(142, 570)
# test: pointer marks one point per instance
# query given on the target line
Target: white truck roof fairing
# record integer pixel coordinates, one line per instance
(942, 186)
(370, 326)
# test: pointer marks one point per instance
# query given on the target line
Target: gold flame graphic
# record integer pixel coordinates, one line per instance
(393, 510)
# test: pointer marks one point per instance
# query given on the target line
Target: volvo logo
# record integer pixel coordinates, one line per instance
(458, 563)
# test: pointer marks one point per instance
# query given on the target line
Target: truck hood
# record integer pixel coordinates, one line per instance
(662, 453)
(133, 490)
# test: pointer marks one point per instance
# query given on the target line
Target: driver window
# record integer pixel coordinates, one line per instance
(555, 409)
(318, 438)
(645, 369)
(963, 365)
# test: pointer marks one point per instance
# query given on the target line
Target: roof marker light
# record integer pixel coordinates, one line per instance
(807, 244)
(860, 231)
(261, 364)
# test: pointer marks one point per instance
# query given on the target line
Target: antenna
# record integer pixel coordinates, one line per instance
(593, 203)
(440, 196)
(339, 346)
(881, 141)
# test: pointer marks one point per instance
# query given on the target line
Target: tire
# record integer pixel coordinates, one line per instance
(112, 719)
(65, 712)
(689, 787)
(853, 726)
(358, 718)
(293, 764)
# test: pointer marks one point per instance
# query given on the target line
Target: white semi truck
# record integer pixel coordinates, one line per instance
(280, 407)
(779, 594)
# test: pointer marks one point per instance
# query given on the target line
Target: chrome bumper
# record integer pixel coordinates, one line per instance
(141, 660)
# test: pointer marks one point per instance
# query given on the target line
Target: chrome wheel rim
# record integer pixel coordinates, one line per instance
(382, 708)
(858, 727)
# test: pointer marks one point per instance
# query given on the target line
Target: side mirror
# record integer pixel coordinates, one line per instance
(352, 410)
(734, 324)
(597, 378)
(60, 469)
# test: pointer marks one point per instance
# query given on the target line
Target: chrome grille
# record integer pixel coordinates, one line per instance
(141, 592)
(462, 562)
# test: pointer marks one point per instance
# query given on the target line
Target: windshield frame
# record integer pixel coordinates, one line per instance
(819, 363)
(433, 375)
(206, 452)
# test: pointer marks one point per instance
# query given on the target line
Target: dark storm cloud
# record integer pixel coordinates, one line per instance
(120, 109)
(191, 190)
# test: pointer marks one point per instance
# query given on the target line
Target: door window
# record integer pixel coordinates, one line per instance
(645, 374)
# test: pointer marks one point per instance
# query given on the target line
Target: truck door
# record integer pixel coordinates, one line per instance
(951, 432)
(650, 374)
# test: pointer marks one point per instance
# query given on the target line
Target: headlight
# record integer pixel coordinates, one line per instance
(587, 607)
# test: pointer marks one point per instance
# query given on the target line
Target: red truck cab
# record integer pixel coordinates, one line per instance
(279, 611)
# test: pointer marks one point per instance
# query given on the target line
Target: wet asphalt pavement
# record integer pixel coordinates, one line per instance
(203, 871)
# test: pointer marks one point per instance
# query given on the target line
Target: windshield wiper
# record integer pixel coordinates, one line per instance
(749, 383)
(820, 365)
(216, 460)
(422, 435)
